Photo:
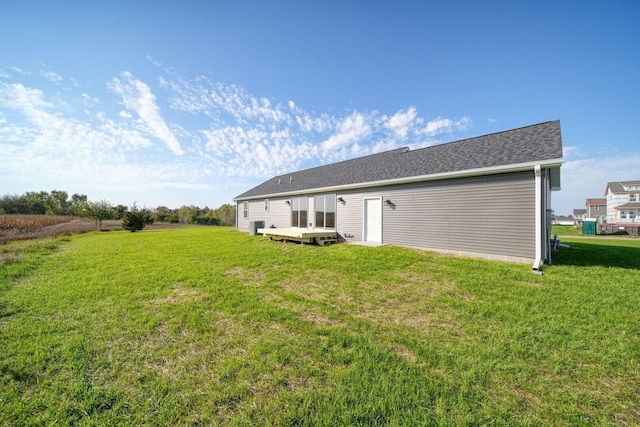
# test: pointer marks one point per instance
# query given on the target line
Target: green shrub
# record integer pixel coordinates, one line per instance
(136, 219)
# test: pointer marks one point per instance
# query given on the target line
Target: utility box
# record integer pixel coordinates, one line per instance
(588, 227)
(253, 227)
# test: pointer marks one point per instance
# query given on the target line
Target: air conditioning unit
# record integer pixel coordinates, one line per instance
(253, 227)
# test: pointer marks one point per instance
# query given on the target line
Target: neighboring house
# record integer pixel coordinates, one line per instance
(459, 197)
(564, 220)
(596, 208)
(623, 202)
(579, 215)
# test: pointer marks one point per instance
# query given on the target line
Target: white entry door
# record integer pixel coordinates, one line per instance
(372, 224)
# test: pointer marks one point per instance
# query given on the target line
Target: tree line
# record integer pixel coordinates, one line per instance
(60, 203)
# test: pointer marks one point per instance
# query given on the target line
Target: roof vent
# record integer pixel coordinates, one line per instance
(279, 180)
(290, 179)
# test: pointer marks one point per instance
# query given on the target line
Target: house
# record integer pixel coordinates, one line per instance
(596, 208)
(579, 215)
(564, 220)
(623, 202)
(459, 197)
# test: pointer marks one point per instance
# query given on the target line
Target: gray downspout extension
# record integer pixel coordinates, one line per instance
(538, 214)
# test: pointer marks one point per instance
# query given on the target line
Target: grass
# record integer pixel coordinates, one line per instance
(566, 230)
(573, 230)
(209, 326)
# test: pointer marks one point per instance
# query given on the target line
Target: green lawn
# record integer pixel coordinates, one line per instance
(572, 230)
(566, 230)
(210, 326)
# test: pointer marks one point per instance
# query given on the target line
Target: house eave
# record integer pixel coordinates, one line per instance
(520, 167)
(628, 206)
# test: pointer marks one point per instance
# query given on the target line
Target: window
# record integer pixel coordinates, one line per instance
(266, 205)
(628, 214)
(325, 211)
(319, 203)
(245, 209)
(633, 198)
(299, 209)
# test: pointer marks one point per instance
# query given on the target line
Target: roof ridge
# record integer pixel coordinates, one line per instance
(486, 135)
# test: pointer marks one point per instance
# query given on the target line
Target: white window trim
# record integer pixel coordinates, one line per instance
(324, 210)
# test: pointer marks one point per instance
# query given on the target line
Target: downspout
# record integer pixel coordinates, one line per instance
(538, 183)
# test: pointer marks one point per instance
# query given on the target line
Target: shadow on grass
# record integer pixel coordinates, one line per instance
(18, 375)
(594, 253)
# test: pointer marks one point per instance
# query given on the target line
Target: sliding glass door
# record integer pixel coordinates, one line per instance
(325, 208)
(299, 209)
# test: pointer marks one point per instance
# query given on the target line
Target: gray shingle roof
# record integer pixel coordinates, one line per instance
(618, 186)
(535, 143)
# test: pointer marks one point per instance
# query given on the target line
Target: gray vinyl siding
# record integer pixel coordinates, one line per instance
(492, 215)
(242, 223)
(486, 215)
(278, 215)
(349, 216)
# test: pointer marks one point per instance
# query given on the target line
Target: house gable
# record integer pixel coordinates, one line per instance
(596, 202)
(579, 213)
(622, 187)
(596, 207)
(623, 201)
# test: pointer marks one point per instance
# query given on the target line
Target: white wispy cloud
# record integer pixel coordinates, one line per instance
(441, 125)
(52, 77)
(352, 129)
(233, 151)
(46, 146)
(240, 121)
(225, 137)
(27, 101)
(137, 96)
(153, 61)
(88, 100)
(20, 71)
(403, 121)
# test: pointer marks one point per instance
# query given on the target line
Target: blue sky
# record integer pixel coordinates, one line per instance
(194, 102)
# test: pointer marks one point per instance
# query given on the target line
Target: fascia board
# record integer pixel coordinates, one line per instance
(520, 167)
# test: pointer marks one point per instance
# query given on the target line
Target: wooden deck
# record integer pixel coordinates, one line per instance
(302, 235)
